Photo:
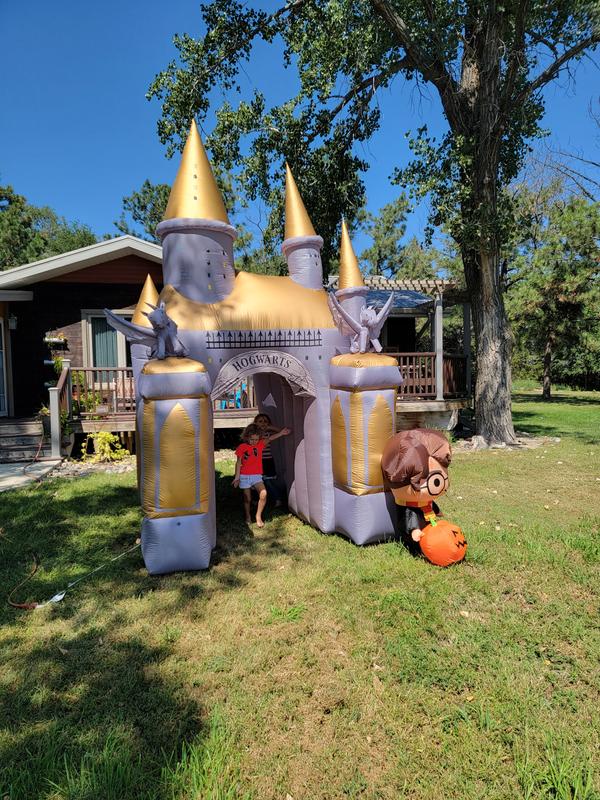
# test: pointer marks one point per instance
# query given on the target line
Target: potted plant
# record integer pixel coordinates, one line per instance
(44, 415)
(58, 339)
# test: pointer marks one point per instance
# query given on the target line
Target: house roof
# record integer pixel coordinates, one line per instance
(404, 300)
(79, 259)
(408, 293)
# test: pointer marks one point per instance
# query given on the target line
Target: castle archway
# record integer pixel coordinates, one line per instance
(264, 362)
(285, 391)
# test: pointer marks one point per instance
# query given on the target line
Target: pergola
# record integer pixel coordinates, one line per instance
(424, 297)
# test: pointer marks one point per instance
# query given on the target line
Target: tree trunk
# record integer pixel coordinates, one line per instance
(493, 345)
(547, 375)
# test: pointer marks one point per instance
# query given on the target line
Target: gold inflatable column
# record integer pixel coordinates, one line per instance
(176, 465)
(363, 398)
(363, 401)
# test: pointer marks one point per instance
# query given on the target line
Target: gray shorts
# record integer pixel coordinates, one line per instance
(248, 481)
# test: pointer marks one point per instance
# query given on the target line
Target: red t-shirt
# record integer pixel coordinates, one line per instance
(251, 455)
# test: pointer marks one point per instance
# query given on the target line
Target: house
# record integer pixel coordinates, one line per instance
(52, 310)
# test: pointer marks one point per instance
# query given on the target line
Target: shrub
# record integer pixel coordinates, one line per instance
(107, 447)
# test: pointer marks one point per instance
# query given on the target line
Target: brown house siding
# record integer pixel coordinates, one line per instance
(128, 270)
(56, 306)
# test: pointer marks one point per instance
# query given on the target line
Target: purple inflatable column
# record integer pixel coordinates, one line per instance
(363, 406)
(174, 420)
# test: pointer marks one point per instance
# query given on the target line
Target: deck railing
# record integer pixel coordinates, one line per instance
(418, 371)
(102, 390)
(60, 408)
(455, 375)
(95, 392)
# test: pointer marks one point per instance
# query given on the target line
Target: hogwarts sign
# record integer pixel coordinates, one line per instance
(264, 361)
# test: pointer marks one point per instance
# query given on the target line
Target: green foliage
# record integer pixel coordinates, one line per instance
(417, 261)
(146, 207)
(344, 52)
(553, 287)
(386, 229)
(29, 233)
(106, 447)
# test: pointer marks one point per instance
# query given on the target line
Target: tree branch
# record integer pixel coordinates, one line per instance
(371, 82)
(517, 55)
(552, 70)
(432, 70)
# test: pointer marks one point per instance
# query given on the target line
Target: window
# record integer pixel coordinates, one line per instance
(102, 345)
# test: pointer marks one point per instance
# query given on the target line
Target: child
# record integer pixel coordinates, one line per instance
(249, 469)
(267, 429)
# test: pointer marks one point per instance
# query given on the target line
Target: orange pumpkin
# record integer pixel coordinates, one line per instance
(443, 543)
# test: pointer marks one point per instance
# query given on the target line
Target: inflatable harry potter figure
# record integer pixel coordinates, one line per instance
(415, 467)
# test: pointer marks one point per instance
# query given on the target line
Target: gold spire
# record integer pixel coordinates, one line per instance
(195, 192)
(297, 221)
(349, 269)
(148, 295)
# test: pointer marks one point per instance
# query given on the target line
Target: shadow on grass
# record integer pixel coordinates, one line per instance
(72, 527)
(570, 399)
(88, 693)
(529, 422)
(235, 538)
(71, 696)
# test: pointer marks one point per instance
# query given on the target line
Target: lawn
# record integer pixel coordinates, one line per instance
(302, 666)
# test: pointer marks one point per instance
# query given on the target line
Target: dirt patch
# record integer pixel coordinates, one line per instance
(523, 442)
(78, 469)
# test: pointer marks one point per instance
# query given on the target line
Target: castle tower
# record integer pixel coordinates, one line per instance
(301, 247)
(139, 352)
(148, 297)
(351, 291)
(363, 412)
(196, 235)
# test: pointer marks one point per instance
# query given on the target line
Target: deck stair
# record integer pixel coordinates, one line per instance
(20, 440)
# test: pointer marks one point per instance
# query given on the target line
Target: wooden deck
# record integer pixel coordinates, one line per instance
(103, 399)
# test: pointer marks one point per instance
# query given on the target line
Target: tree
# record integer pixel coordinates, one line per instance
(554, 294)
(386, 229)
(29, 233)
(146, 207)
(417, 261)
(488, 63)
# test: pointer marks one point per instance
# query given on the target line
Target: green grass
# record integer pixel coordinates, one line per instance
(300, 664)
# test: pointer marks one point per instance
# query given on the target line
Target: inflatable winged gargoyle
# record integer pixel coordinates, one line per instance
(363, 331)
(161, 338)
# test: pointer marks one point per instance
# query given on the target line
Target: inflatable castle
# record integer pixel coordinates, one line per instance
(313, 359)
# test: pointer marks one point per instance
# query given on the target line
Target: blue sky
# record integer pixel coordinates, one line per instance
(77, 133)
